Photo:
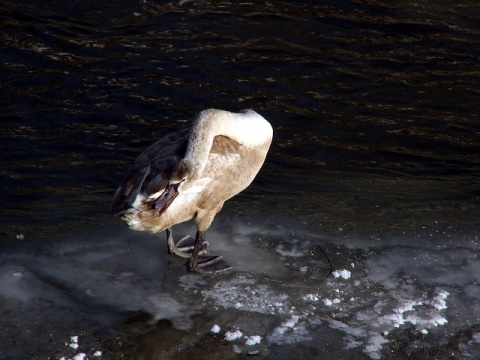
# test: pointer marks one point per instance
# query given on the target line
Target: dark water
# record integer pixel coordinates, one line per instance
(375, 159)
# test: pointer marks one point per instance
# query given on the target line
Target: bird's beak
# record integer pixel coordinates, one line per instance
(162, 203)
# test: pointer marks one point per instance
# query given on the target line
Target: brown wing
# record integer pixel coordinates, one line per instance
(150, 171)
(225, 146)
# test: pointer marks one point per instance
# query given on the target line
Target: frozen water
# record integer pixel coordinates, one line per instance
(374, 299)
(388, 292)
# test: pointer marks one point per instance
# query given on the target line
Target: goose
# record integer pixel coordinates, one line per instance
(189, 174)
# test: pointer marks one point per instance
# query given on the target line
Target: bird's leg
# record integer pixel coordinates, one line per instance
(183, 247)
(205, 264)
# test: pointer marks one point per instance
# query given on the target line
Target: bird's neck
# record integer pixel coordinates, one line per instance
(247, 128)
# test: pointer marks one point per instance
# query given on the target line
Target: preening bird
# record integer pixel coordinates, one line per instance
(189, 174)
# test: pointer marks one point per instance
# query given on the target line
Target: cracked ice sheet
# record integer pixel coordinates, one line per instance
(378, 295)
(356, 302)
(368, 330)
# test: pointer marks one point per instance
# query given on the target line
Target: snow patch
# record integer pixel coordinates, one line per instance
(421, 312)
(374, 345)
(345, 274)
(311, 297)
(243, 293)
(289, 253)
(215, 329)
(253, 340)
(233, 335)
(81, 356)
(73, 342)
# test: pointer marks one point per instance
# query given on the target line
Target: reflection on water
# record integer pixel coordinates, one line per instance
(375, 162)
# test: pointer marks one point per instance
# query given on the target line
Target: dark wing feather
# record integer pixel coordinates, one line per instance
(150, 171)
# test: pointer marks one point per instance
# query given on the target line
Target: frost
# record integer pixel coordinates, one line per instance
(81, 356)
(311, 297)
(290, 331)
(253, 340)
(73, 342)
(215, 329)
(290, 253)
(374, 345)
(419, 312)
(262, 299)
(345, 274)
(476, 337)
(288, 324)
(438, 301)
(230, 336)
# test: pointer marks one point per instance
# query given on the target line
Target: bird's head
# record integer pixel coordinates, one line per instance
(178, 179)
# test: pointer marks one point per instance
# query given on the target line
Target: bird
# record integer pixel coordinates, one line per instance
(189, 174)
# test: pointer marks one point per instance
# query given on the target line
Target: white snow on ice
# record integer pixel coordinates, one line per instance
(215, 329)
(233, 335)
(311, 297)
(345, 274)
(393, 289)
(303, 310)
(288, 324)
(73, 342)
(253, 340)
(289, 253)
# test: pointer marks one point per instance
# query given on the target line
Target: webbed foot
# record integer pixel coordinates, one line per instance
(184, 247)
(209, 265)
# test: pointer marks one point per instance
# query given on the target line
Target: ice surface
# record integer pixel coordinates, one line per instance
(284, 298)
(287, 325)
(293, 252)
(367, 306)
(93, 271)
(236, 349)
